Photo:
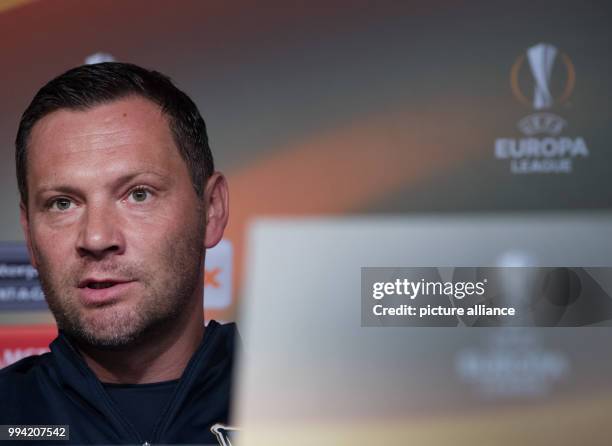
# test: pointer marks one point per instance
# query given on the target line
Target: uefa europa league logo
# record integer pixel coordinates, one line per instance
(541, 60)
(542, 78)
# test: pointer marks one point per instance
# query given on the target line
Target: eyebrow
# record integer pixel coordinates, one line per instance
(122, 180)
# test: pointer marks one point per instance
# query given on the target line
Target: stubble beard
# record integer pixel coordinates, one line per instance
(168, 295)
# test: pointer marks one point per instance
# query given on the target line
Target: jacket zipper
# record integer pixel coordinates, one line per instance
(184, 383)
(175, 399)
(110, 404)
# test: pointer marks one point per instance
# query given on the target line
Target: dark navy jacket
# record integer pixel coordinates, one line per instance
(59, 388)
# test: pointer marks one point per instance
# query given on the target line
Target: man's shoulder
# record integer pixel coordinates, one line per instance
(23, 369)
(19, 384)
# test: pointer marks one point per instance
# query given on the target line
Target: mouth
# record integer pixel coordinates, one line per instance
(103, 290)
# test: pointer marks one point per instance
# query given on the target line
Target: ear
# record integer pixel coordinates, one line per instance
(25, 226)
(216, 195)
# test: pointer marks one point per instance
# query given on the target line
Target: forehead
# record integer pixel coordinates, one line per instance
(129, 133)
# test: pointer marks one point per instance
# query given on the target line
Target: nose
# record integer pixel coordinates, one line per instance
(100, 234)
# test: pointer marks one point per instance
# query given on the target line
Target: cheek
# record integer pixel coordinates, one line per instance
(51, 244)
(178, 230)
(168, 222)
(153, 240)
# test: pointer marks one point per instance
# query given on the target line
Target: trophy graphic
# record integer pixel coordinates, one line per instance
(541, 59)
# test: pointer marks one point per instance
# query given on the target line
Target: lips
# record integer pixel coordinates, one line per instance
(103, 290)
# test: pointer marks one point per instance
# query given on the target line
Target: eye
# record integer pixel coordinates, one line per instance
(140, 194)
(60, 204)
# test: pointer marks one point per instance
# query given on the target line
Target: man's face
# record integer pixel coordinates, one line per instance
(113, 223)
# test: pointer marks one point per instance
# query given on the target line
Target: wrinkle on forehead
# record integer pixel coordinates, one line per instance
(103, 126)
(131, 133)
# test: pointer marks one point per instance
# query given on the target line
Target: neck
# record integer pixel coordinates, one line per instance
(161, 357)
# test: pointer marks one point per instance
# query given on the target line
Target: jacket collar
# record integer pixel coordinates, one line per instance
(212, 357)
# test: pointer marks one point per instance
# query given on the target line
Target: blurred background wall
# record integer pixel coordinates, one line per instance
(344, 107)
